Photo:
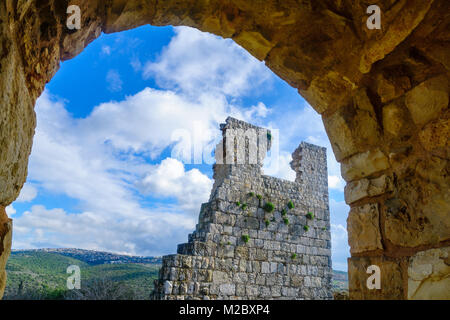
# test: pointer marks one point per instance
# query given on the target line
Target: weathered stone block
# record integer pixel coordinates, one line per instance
(428, 99)
(227, 289)
(364, 164)
(363, 225)
(434, 137)
(391, 279)
(419, 214)
(360, 189)
(353, 128)
(429, 275)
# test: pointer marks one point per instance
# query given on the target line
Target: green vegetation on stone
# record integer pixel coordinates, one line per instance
(269, 207)
(310, 215)
(290, 205)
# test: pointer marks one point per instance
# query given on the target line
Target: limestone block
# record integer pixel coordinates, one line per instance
(429, 275)
(418, 215)
(428, 99)
(396, 120)
(255, 43)
(227, 289)
(353, 128)
(360, 189)
(391, 278)
(364, 164)
(363, 226)
(390, 87)
(434, 137)
(329, 91)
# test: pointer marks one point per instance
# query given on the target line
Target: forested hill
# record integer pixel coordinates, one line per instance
(92, 257)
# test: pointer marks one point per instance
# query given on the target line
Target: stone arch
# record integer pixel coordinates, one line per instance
(383, 96)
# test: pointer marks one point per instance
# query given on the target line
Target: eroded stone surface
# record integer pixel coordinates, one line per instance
(5, 246)
(360, 189)
(364, 164)
(428, 99)
(363, 227)
(391, 278)
(429, 274)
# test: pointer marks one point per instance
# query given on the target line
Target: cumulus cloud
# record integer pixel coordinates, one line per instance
(170, 179)
(27, 194)
(195, 62)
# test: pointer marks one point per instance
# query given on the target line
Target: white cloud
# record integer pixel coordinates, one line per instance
(335, 182)
(114, 81)
(10, 210)
(169, 179)
(281, 168)
(148, 232)
(195, 62)
(27, 194)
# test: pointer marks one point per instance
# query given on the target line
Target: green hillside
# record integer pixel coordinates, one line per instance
(45, 273)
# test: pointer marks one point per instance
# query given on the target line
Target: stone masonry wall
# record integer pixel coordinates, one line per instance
(239, 250)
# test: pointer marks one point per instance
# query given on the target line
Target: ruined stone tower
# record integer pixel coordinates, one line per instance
(258, 237)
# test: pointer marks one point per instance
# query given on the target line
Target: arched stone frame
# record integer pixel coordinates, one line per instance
(383, 96)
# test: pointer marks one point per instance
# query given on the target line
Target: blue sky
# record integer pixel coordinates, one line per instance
(109, 168)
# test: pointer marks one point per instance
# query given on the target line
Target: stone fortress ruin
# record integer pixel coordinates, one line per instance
(258, 237)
